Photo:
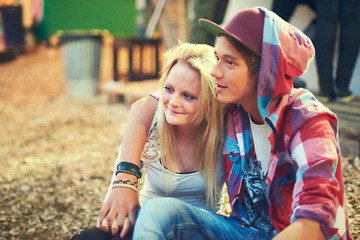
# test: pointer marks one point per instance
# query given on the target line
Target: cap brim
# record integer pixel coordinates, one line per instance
(215, 29)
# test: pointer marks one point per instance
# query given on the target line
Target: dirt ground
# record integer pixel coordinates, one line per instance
(57, 154)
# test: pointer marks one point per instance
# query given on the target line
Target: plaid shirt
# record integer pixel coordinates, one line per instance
(304, 178)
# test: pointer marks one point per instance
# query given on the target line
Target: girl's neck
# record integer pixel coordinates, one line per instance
(185, 133)
(184, 158)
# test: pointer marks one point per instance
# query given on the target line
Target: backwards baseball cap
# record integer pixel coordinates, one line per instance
(246, 27)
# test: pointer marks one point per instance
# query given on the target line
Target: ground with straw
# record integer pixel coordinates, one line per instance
(56, 154)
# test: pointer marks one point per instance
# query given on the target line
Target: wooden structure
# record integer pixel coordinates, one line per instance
(130, 57)
(132, 91)
(135, 49)
(172, 22)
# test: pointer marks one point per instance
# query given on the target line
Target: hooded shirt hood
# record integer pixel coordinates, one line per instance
(285, 54)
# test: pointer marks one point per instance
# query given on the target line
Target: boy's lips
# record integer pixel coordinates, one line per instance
(219, 85)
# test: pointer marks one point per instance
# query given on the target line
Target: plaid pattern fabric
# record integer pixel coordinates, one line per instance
(304, 175)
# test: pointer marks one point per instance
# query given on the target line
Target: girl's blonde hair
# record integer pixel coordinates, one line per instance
(209, 116)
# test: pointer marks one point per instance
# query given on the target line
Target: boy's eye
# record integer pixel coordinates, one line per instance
(229, 62)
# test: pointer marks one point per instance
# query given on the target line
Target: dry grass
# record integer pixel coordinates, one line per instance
(56, 154)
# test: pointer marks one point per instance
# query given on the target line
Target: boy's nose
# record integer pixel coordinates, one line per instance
(216, 72)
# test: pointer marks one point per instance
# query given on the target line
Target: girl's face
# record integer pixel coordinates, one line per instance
(180, 95)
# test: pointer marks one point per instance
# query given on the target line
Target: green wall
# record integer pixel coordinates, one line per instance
(116, 16)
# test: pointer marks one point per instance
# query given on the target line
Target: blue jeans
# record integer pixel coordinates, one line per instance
(170, 218)
(330, 13)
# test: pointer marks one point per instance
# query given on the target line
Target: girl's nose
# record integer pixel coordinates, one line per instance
(175, 100)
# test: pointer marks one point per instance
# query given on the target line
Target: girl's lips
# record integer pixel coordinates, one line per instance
(173, 112)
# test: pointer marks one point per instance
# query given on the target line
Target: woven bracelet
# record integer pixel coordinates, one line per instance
(123, 185)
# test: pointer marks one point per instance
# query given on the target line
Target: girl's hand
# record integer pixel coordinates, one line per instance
(119, 211)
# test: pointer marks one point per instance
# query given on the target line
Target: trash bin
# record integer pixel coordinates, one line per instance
(81, 60)
(13, 29)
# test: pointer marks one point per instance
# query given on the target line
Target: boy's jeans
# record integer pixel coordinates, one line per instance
(170, 218)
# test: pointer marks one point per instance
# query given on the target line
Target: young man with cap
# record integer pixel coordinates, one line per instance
(281, 156)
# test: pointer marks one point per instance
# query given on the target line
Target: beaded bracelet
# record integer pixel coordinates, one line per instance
(128, 167)
(128, 182)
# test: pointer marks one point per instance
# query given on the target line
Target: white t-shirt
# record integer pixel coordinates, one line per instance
(254, 186)
(261, 133)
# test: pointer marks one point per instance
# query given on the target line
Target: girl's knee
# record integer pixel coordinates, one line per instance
(161, 206)
(162, 211)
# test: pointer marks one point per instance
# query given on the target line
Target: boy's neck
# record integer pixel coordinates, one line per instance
(253, 110)
(256, 118)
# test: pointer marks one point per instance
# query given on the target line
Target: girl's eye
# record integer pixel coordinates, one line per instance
(167, 88)
(217, 58)
(189, 97)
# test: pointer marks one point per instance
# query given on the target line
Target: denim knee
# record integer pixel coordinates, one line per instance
(155, 218)
(159, 208)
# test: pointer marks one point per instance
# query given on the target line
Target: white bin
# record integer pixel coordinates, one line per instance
(81, 59)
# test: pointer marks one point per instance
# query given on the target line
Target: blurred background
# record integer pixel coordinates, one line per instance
(27, 23)
(69, 70)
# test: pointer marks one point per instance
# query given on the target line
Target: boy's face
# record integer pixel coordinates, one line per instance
(233, 78)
